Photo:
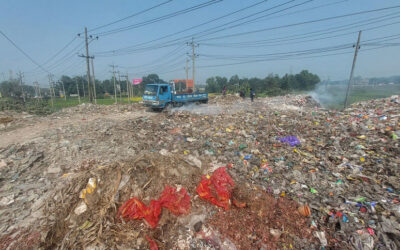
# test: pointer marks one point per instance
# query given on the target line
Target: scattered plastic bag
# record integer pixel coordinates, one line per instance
(217, 189)
(90, 187)
(134, 209)
(178, 202)
(291, 140)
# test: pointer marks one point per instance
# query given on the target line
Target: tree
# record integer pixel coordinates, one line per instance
(271, 85)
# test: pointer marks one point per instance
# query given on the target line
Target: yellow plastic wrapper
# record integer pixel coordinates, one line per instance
(90, 187)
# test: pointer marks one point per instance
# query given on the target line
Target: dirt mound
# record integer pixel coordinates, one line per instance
(74, 222)
(143, 177)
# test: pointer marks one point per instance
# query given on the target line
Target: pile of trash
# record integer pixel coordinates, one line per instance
(277, 173)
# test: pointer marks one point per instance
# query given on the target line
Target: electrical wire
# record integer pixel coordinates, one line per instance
(295, 38)
(23, 52)
(196, 34)
(302, 23)
(158, 60)
(202, 24)
(165, 17)
(251, 20)
(130, 16)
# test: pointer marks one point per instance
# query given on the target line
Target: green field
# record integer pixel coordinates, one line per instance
(332, 97)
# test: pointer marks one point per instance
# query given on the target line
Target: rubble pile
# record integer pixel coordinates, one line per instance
(305, 177)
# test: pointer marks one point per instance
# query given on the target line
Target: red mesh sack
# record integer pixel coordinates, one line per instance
(217, 189)
(178, 202)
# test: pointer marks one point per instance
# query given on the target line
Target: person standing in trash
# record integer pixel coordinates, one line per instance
(252, 94)
(224, 91)
(241, 94)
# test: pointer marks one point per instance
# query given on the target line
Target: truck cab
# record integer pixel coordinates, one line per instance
(161, 95)
(158, 95)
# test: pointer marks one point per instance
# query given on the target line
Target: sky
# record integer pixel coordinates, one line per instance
(251, 38)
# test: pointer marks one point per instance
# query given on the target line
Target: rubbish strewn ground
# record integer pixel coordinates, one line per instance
(283, 153)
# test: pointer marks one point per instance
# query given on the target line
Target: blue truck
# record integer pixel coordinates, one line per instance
(159, 96)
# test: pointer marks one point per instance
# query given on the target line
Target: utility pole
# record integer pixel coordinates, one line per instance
(187, 72)
(94, 81)
(20, 75)
(127, 87)
(52, 88)
(120, 89)
(38, 90)
(65, 96)
(115, 89)
(87, 64)
(77, 90)
(83, 88)
(193, 44)
(51, 94)
(352, 69)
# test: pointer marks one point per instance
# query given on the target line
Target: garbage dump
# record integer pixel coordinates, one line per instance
(279, 173)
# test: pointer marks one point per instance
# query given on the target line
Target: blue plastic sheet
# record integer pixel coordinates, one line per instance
(291, 140)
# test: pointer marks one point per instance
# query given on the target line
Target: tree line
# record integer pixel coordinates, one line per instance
(271, 85)
(73, 85)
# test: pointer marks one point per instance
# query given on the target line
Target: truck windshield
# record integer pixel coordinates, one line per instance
(151, 90)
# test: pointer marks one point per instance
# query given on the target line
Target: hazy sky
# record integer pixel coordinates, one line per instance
(43, 27)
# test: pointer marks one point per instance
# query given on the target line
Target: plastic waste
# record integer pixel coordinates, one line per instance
(291, 140)
(304, 210)
(90, 187)
(216, 188)
(178, 202)
(321, 236)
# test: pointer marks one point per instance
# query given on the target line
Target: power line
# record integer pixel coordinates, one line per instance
(207, 22)
(304, 54)
(59, 52)
(130, 16)
(297, 52)
(23, 52)
(284, 40)
(158, 19)
(196, 34)
(303, 10)
(302, 23)
(62, 60)
(251, 20)
(128, 50)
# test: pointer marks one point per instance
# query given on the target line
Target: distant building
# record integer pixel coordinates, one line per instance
(182, 85)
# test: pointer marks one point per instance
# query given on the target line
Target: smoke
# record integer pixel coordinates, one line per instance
(200, 109)
(329, 96)
(216, 109)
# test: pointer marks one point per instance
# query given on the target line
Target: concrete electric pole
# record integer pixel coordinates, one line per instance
(115, 88)
(65, 95)
(77, 90)
(87, 64)
(193, 45)
(94, 81)
(50, 88)
(352, 69)
(187, 71)
(119, 86)
(20, 75)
